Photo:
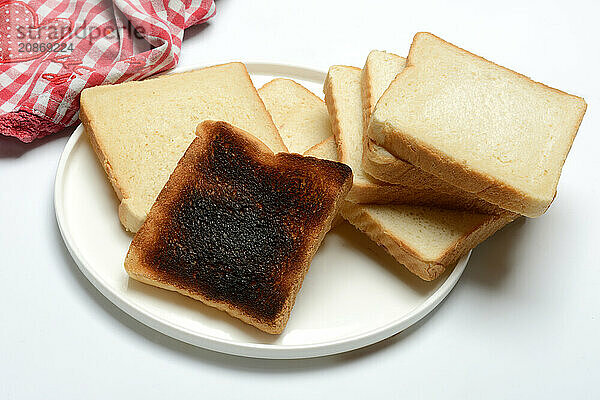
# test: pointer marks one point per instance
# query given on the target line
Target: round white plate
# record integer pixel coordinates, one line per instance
(354, 295)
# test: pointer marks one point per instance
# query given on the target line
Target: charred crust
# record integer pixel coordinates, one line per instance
(235, 223)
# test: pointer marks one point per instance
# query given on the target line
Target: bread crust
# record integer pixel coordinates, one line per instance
(399, 172)
(132, 217)
(425, 269)
(320, 184)
(367, 97)
(454, 171)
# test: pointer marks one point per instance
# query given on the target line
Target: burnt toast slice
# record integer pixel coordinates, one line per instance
(236, 226)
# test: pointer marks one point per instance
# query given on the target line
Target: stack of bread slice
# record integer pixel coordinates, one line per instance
(445, 147)
(455, 145)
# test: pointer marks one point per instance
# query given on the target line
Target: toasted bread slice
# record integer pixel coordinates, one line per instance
(425, 240)
(481, 127)
(343, 98)
(236, 226)
(139, 130)
(300, 116)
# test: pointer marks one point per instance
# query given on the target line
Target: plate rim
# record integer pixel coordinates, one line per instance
(253, 350)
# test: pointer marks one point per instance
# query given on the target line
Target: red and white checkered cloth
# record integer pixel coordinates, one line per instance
(51, 50)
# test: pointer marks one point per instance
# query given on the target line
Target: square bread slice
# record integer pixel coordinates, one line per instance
(236, 226)
(344, 102)
(300, 116)
(426, 240)
(481, 127)
(139, 130)
(380, 70)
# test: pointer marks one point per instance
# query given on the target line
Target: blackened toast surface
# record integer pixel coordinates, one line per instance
(237, 226)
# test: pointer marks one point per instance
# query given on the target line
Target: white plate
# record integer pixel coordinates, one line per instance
(354, 294)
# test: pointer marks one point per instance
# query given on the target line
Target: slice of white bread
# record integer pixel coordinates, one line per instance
(344, 101)
(426, 240)
(300, 116)
(481, 127)
(380, 70)
(139, 130)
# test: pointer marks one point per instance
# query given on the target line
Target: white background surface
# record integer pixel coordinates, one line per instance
(524, 320)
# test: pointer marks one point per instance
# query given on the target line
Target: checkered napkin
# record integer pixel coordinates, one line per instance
(51, 50)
